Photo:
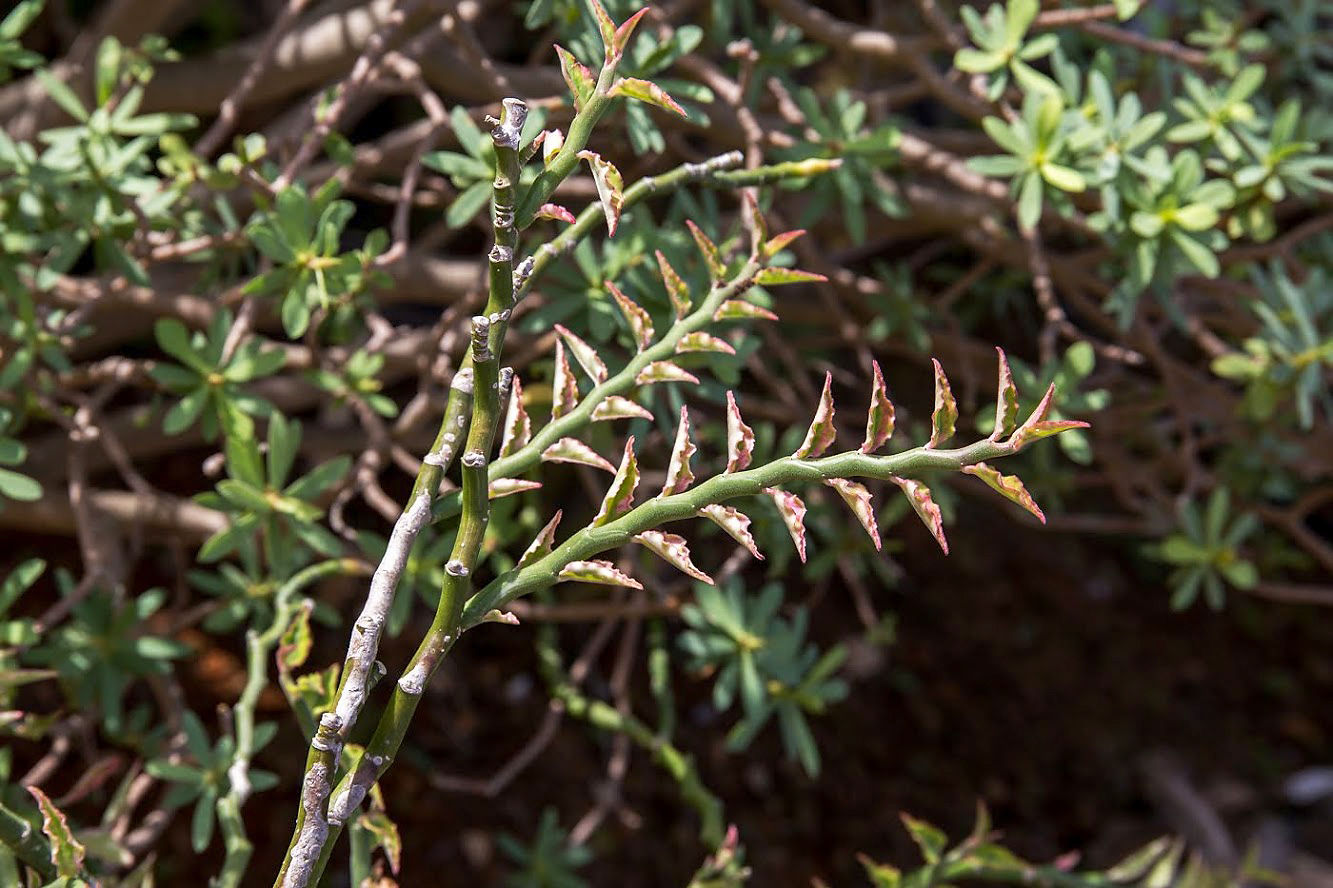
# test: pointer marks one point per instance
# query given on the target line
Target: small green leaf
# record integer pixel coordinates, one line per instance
(646, 91)
(66, 852)
(945, 417)
(577, 77)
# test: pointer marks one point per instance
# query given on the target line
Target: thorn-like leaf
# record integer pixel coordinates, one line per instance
(617, 407)
(674, 550)
(717, 269)
(626, 30)
(793, 515)
(740, 438)
(541, 546)
(880, 418)
(1009, 486)
(610, 188)
(858, 500)
(577, 77)
(600, 572)
(66, 853)
(640, 324)
(918, 495)
(564, 387)
(620, 496)
(1037, 426)
(676, 287)
(735, 523)
(703, 342)
(585, 354)
(607, 26)
(664, 371)
(557, 212)
(646, 91)
(507, 486)
(1006, 402)
(774, 277)
(572, 450)
(945, 418)
(679, 477)
(821, 432)
(756, 223)
(740, 310)
(518, 427)
(778, 242)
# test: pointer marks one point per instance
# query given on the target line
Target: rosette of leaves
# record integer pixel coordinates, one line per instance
(1003, 48)
(1206, 552)
(549, 860)
(1039, 155)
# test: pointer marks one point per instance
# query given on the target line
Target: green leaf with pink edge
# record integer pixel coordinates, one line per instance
(607, 26)
(626, 30)
(793, 515)
(774, 277)
(740, 310)
(821, 432)
(602, 573)
(556, 212)
(501, 487)
(918, 495)
(1037, 426)
(564, 387)
(646, 91)
(610, 188)
(620, 495)
(945, 418)
(577, 77)
(640, 323)
(676, 287)
(1006, 402)
(517, 427)
(664, 371)
(703, 342)
(679, 476)
(740, 438)
(584, 353)
(66, 852)
(572, 450)
(296, 643)
(717, 269)
(542, 544)
(755, 221)
(1008, 486)
(673, 549)
(880, 417)
(735, 523)
(858, 500)
(619, 407)
(779, 242)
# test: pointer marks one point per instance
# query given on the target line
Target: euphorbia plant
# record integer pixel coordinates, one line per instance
(485, 404)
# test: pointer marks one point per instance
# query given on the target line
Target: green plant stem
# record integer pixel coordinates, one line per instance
(27, 842)
(661, 510)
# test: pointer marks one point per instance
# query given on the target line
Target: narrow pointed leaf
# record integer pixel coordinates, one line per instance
(880, 418)
(572, 450)
(735, 523)
(679, 476)
(607, 27)
(610, 188)
(775, 277)
(509, 486)
(66, 852)
(626, 30)
(620, 496)
(577, 77)
(703, 342)
(603, 573)
(918, 495)
(1006, 402)
(740, 310)
(640, 324)
(858, 500)
(821, 432)
(564, 388)
(717, 269)
(541, 545)
(1008, 486)
(518, 427)
(793, 515)
(664, 371)
(1037, 431)
(676, 288)
(740, 438)
(557, 212)
(778, 242)
(618, 407)
(756, 222)
(584, 353)
(945, 418)
(646, 91)
(673, 550)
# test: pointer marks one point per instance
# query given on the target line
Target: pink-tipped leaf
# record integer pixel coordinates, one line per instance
(674, 551)
(542, 544)
(564, 387)
(918, 495)
(648, 92)
(679, 475)
(717, 269)
(1009, 486)
(676, 288)
(735, 523)
(620, 495)
(572, 450)
(776, 277)
(499, 487)
(518, 427)
(556, 212)
(66, 853)
(584, 353)
(664, 371)
(619, 407)
(858, 500)
(880, 418)
(779, 242)
(578, 78)
(610, 188)
(793, 515)
(740, 310)
(640, 324)
(1037, 426)
(821, 432)
(945, 418)
(740, 438)
(1006, 401)
(704, 342)
(603, 573)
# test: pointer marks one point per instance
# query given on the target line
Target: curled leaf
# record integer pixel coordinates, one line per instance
(607, 27)
(646, 91)
(679, 476)
(793, 515)
(945, 418)
(1006, 402)
(1037, 426)
(66, 853)
(858, 500)
(674, 550)
(740, 438)
(626, 30)
(557, 212)
(735, 523)
(572, 450)
(577, 77)
(703, 342)
(564, 388)
(618, 407)
(664, 371)
(518, 427)
(821, 432)
(740, 310)
(542, 544)
(879, 419)
(499, 487)
(584, 353)
(640, 324)
(610, 188)
(918, 495)
(600, 572)
(1008, 486)
(676, 287)
(717, 269)
(620, 496)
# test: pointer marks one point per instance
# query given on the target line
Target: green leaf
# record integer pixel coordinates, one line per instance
(577, 77)
(1063, 177)
(648, 92)
(467, 204)
(19, 487)
(66, 852)
(929, 839)
(975, 61)
(61, 94)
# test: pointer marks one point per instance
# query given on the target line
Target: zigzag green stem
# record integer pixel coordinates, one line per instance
(655, 512)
